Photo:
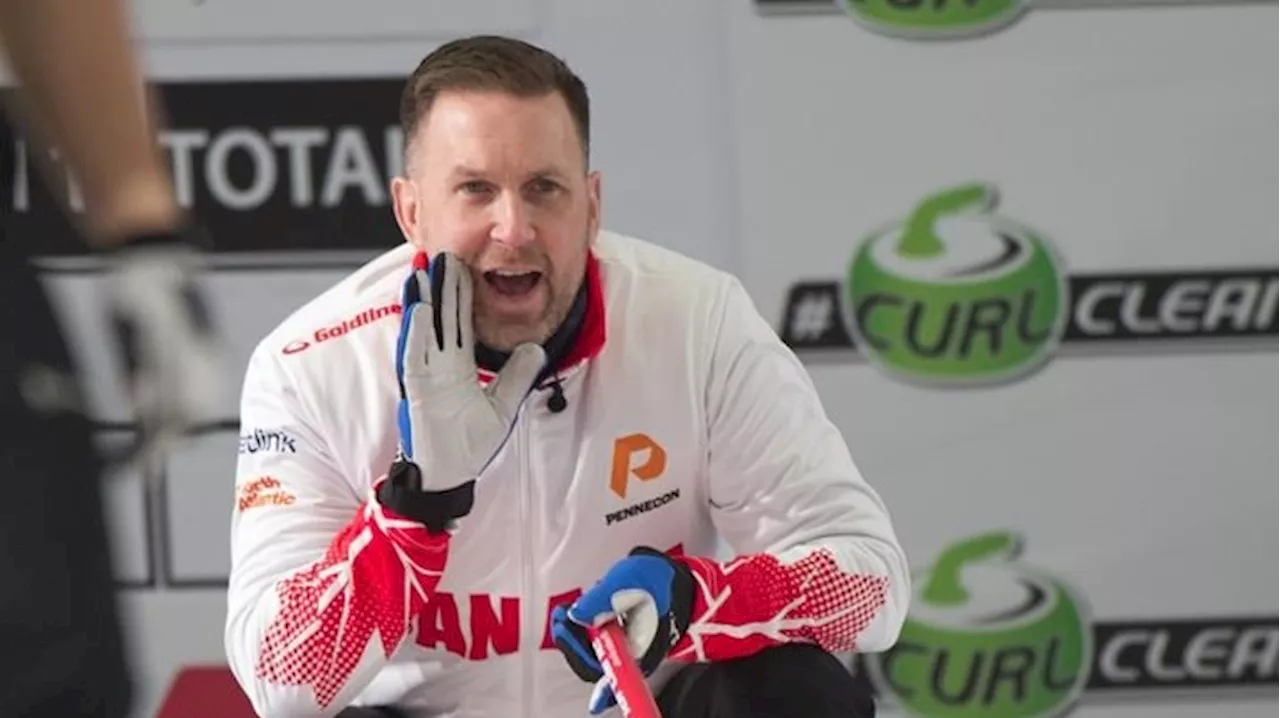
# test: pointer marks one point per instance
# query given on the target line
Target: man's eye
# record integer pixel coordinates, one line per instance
(474, 187)
(545, 186)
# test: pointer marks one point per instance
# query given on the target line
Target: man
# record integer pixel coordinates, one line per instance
(81, 93)
(517, 425)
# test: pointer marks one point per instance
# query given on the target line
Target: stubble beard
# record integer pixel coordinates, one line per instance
(504, 335)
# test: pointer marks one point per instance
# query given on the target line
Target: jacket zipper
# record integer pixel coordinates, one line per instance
(530, 640)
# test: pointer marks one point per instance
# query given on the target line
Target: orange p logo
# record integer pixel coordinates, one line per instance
(625, 451)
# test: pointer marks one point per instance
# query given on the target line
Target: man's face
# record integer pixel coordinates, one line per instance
(501, 182)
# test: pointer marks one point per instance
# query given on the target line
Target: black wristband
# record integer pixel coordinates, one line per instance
(187, 235)
(433, 509)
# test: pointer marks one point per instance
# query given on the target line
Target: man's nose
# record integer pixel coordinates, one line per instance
(512, 226)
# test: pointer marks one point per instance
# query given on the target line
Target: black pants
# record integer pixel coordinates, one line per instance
(61, 652)
(791, 681)
(794, 681)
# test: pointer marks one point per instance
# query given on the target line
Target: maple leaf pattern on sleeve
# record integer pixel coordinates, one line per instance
(378, 572)
(756, 601)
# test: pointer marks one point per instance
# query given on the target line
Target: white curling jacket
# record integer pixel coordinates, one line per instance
(686, 421)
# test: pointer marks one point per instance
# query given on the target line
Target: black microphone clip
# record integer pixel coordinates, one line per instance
(556, 402)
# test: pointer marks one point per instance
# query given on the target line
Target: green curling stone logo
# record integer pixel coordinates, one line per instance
(956, 294)
(987, 636)
(943, 19)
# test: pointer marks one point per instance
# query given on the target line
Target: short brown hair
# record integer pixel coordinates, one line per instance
(493, 63)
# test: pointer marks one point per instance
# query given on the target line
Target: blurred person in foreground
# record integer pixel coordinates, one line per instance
(516, 425)
(80, 92)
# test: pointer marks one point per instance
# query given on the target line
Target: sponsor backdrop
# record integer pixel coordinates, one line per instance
(1032, 267)
(1027, 249)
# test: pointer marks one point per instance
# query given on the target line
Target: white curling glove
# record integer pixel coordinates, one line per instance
(451, 426)
(172, 352)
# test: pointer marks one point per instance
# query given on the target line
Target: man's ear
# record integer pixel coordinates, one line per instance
(593, 204)
(404, 203)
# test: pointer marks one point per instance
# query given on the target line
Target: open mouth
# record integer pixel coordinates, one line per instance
(512, 284)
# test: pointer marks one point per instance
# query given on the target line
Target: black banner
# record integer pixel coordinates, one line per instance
(814, 317)
(1200, 653)
(1192, 304)
(266, 166)
(1164, 306)
(1171, 656)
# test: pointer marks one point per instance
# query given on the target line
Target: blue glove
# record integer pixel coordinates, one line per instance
(651, 596)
